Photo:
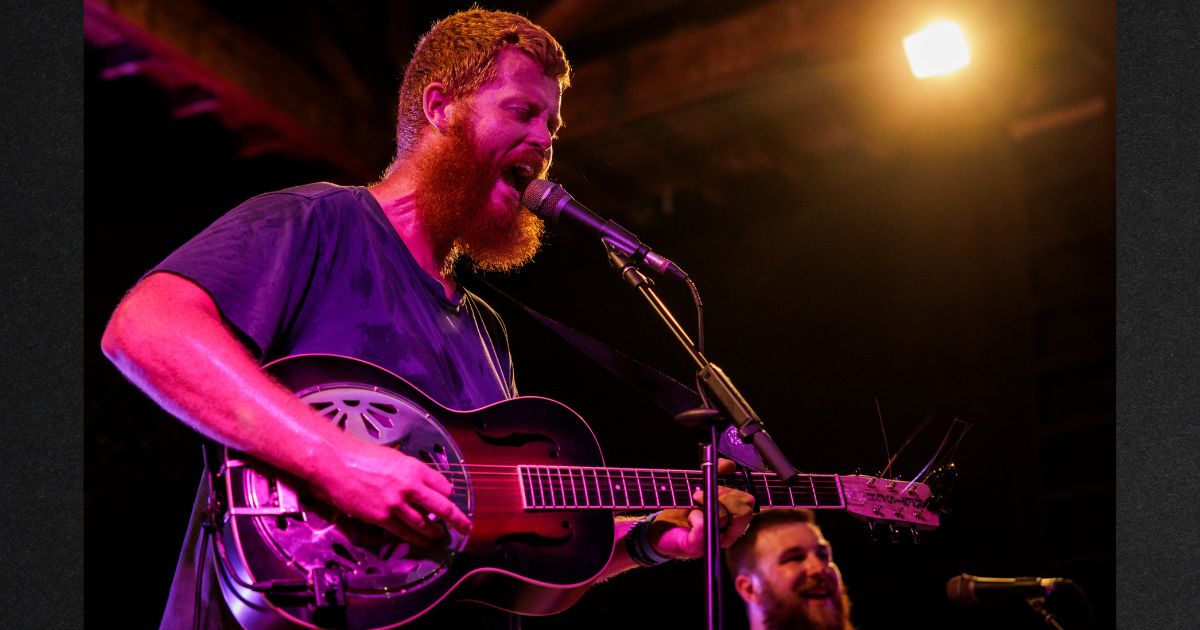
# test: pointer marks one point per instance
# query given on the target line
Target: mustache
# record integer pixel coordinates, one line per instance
(534, 161)
(818, 583)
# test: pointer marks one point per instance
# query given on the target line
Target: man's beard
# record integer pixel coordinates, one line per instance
(453, 196)
(788, 612)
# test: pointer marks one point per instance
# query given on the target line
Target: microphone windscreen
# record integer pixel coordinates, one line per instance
(542, 198)
(959, 589)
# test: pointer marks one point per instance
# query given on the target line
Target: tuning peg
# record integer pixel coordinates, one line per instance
(914, 535)
(893, 534)
(873, 530)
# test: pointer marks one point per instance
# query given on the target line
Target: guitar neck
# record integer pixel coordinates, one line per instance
(582, 487)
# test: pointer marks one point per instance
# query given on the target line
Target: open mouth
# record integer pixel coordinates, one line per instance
(518, 176)
(815, 590)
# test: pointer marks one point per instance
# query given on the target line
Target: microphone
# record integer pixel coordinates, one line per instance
(552, 203)
(969, 589)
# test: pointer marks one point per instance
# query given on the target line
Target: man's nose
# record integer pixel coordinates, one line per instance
(814, 565)
(541, 137)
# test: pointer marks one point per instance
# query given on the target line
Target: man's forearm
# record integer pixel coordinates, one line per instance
(168, 339)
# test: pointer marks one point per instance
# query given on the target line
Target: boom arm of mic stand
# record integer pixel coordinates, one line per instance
(725, 396)
(750, 428)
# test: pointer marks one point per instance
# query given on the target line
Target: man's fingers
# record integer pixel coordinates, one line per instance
(696, 534)
(418, 519)
(437, 481)
(443, 508)
(726, 466)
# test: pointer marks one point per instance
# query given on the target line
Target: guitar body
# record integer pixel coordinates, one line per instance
(285, 559)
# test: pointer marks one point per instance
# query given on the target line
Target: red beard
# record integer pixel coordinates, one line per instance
(453, 193)
(787, 611)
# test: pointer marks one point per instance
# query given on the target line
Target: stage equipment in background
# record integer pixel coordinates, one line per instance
(1034, 591)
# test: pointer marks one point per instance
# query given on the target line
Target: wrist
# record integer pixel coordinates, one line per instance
(639, 547)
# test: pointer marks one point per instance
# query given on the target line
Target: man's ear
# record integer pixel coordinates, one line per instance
(747, 587)
(436, 106)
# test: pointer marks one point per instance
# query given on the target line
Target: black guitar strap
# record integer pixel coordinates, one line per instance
(665, 392)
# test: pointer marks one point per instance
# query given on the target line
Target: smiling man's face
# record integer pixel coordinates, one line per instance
(794, 582)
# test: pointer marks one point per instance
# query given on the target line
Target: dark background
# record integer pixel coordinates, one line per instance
(856, 236)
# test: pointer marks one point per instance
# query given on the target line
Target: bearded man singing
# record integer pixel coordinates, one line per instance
(368, 272)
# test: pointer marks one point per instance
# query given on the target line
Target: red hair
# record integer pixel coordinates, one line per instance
(460, 53)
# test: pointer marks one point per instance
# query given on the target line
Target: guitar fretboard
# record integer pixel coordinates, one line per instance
(580, 487)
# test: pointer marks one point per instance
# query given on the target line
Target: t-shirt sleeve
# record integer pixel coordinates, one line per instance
(256, 262)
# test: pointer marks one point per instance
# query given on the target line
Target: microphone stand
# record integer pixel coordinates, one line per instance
(1038, 604)
(726, 402)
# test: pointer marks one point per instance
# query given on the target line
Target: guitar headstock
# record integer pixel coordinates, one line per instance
(889, 502)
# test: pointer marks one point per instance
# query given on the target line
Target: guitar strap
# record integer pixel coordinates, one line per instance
(665, 392)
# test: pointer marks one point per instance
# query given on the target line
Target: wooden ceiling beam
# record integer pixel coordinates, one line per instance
(254, 87)
(705, 62)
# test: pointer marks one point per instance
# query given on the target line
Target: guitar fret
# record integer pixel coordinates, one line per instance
(599, 494)
(574, 496)
(656, 485)
(524, 490)
(562, 485)
(531, 472)
(558, 473)
(831, 489)
(841, 496)
(541, 488)
(554, 481)
(612, 495)
(683, 500)
(583, 479)
(671, 485)
(526, 487)
(693, 486)
(626, 493)
(772, 493)
(613, 488)
(641, 491)
(624, 487)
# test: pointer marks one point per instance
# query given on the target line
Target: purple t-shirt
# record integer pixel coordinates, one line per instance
(319, 269)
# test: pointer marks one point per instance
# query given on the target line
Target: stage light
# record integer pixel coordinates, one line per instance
(939, 48)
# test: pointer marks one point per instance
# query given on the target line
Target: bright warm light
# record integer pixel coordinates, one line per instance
(939, 48)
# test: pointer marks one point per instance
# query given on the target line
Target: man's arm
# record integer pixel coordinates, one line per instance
(168, 338)
(679, 533)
